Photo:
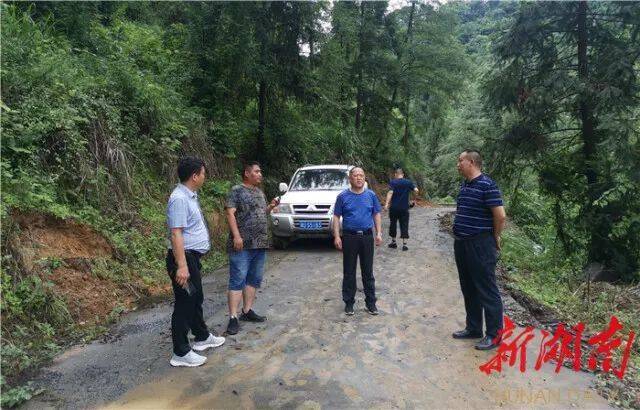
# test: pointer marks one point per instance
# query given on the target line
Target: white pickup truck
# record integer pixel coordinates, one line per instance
(306, 206)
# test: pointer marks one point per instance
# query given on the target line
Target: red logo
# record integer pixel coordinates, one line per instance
(564, 344)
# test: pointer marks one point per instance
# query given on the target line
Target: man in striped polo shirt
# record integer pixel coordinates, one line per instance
(477, 226)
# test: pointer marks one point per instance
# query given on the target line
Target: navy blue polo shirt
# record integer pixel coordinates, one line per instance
(401, 188)
(474, 203)
(357, 210)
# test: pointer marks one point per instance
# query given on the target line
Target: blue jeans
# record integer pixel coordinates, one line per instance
(245, 268)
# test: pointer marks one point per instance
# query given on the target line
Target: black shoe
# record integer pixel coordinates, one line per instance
(233, 326)
(466, 334)
(393, 245)
(373, 310)
(404, 248)
(348, 309)
(251, 316)
(487, 343)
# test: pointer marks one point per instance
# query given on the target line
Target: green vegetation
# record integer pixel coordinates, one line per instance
(567, 96)
(540, 270)
(100, 99)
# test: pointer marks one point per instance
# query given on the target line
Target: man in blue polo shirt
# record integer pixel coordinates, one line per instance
(477, 226)
(360, 210)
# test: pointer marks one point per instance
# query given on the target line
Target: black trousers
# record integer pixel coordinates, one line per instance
(187, 309)
(354, 247)
(402, 216)
(476, 261)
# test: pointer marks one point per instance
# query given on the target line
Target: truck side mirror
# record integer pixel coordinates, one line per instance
(283, 187)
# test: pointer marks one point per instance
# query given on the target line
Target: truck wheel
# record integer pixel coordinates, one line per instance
(330, 242)
(280, 243)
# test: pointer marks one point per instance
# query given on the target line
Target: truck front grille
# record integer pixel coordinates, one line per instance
(311, 209)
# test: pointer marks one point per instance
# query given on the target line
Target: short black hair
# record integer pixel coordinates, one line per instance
(474, 156)
(248, 165)
(187, 166)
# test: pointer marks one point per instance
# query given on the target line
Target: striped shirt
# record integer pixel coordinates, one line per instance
(474, 203)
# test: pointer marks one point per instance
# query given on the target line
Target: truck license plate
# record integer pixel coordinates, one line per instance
(311, 225)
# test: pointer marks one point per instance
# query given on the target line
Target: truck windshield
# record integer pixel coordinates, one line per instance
(320, 180)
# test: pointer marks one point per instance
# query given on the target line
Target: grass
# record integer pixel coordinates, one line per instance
(558, 283)
(446, 201)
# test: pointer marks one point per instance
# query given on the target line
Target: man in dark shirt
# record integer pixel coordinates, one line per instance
(360, 211)
(246, 208)
(397, 204)
(477, 226)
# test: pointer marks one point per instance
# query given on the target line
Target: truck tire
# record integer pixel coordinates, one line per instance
(280, 243)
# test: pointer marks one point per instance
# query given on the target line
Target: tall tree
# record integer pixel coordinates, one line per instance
(567, 80)
(430, 67)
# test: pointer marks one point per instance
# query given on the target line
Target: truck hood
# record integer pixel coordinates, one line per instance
(310, 197)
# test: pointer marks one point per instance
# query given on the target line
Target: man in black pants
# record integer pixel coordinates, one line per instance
(477, 226)
(189, 239)
(397, 204)
(360, 209)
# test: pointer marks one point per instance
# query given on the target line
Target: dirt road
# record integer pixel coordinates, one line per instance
(309, 354)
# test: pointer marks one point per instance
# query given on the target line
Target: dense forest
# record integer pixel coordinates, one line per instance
(100, 99)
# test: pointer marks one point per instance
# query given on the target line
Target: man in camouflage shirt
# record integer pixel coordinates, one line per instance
(247, 211)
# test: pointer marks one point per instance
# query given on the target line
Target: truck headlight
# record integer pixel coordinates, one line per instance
(284, 209)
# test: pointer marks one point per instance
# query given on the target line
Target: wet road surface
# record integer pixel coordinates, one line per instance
(309, 354)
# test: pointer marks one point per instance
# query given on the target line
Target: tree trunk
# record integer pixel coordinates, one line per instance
(312, 40)
(586, 115)
(596, 222)
(405, 136)
(358, 119)
(515, 197)
(263, 39)
(407, 36)
(407, 102)
(359, 96)
(410, 23)
(559, 222)
(262, 107)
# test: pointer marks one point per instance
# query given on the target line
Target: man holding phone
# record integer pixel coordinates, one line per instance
(247, 210)
(189, 240)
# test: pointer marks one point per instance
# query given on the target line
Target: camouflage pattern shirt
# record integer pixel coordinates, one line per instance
(251, 216)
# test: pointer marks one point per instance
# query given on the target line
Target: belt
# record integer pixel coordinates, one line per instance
(362, 232)
(195, 253)
(471, 238)
(188, 251)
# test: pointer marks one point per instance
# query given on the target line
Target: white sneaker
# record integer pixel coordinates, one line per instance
(191, 359)
(212, 341)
